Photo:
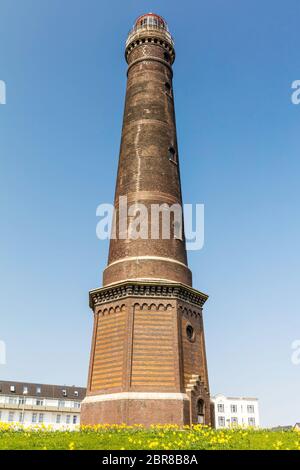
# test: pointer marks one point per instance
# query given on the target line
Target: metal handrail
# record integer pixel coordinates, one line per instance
(146, 27)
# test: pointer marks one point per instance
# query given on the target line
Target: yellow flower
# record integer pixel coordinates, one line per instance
(153, 444)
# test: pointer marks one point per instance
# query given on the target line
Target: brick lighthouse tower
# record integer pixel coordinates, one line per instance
(148, 360)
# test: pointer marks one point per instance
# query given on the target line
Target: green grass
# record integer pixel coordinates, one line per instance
(155, 438)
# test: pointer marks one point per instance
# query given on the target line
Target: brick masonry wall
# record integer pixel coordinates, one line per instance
(131, 412)
(139, 343)
(153, 352)
(145, 172)
(108, 362)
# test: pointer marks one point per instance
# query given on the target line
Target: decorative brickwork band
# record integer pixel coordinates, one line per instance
(146, 289)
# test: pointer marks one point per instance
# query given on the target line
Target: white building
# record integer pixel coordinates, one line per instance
(231, 411)
(36, 404)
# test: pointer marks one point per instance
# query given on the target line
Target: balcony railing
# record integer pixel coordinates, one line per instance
(48, 407)
(141, 28)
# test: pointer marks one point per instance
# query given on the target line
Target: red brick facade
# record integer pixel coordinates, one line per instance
(148, 361)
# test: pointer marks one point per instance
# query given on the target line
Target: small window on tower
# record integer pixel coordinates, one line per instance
(168, 88)
(167, 56)
(172, 155)
(190, 332)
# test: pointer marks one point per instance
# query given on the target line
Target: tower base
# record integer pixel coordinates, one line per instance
(136, 408)
(148, 361)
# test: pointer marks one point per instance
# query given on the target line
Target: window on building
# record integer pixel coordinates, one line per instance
(76, 393)
(11, 415)
(12, 388)
(167, 56)
(39, 402)
(152, 21)
(61, 403)
(34, 418)
(76, 404)
(190, 332)
(21, 417)
(58, 419)
(12, 400)
(251, 421)
(68, 419)
(41, 417)
(250, 408)
(64, 392)
(21, 400)
(168, 88)
(200, 411)
(178, 229)
(25, 390)
(172, 155)
(220, 408)
(233, 408)
(221, 421)
(38, 389)
(74, 419)
(234, 421)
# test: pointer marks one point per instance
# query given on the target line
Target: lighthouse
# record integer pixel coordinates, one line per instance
(148, 360)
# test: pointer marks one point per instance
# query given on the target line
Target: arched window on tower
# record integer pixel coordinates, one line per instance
(172, 155)
(200, 411)
(167, 56)
(168, 89)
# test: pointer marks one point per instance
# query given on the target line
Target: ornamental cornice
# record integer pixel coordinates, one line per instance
(146, 289)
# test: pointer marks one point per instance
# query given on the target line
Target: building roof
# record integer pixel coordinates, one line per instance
(282, 428)
(63, 392)
(220, 395)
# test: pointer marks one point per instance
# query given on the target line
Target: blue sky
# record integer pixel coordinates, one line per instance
(63, 64)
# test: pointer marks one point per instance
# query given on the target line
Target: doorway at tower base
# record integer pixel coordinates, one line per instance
(134, 408)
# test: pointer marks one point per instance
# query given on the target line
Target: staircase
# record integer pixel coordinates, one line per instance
(195, 384)
(196, 389)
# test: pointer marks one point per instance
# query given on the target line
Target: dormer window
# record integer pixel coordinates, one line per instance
(38, 390)
(76, 393)
(12, 388)
(64, 392)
